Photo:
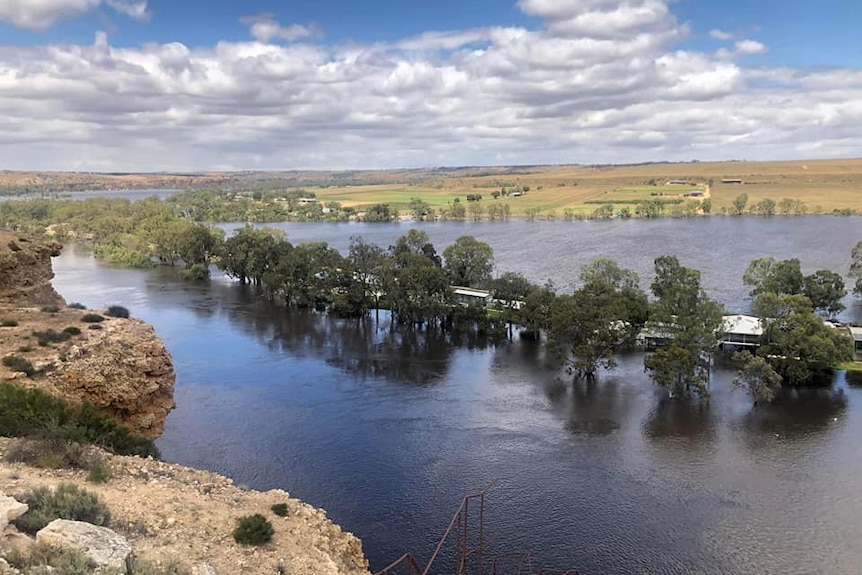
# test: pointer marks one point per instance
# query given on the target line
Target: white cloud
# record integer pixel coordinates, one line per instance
(748, 47)
(136, 10)
(264, 28)
(41, 14)
(624, 92)
(720, 34)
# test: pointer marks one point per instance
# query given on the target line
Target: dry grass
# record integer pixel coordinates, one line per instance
(827, 184)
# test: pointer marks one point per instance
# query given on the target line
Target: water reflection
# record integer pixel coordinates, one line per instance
(798, 414)
(688, 423)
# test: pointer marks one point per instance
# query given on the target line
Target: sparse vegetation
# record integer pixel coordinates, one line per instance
(76, 306)
(35, 414)
(253, 530)
(100, 472)
(8, 322)
(72, 330)
(67, 501)
(280, 509)
(25, 349)
(92, 318)
(51, 336)
(117, 311)
(19, 364)
(50, 308)
(94, 326)
(41, 558)
(53, 454)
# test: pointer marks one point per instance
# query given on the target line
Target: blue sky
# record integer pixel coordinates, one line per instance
(99, 84)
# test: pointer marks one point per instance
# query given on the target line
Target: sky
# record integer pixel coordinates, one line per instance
(170, 85)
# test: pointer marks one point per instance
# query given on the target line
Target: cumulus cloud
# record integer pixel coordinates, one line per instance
(41, 14)
(621, 92)
(720, 34)
(264, 28)
(132, 9)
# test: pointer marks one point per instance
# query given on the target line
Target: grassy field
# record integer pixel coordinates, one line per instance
(823, 185)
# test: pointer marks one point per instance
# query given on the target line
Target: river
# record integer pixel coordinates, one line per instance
(388, 432)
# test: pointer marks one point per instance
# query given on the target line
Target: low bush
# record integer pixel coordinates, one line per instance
(8, 322)
(99, 473)
(42, 558)
(117, 311)
(48, 454)
(34, 413)
(25, 349)
(51, 336)
(76, 306)
(72, 330)
(280, 509)
(253, 530)
(147, 568)
(94, 326)
(16, 363)
(92, 318)
(50, 308)
(67, 501)
(197, 272)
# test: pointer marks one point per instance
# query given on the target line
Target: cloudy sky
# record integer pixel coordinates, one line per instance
(144, 85)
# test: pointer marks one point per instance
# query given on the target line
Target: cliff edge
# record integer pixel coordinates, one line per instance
(119, 365)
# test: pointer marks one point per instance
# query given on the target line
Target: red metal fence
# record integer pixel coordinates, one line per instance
(465, 535)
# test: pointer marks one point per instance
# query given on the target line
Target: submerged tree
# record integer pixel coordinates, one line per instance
(756, 376)
(856, 268)
(693, 322)
(825, 289)
(468, 262)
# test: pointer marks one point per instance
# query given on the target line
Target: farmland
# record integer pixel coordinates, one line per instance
(822, 186)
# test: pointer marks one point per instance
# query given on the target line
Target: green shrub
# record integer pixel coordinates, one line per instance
(94, 326)
(16, 363)
(253, 530)
(34, 413)
(51, 336)
(122, 256)
(280, 509)
(92, 318)
(72, 330)
(67, 501)
(76, 306)
(117, 311)
(8, 322)
(50, 308)
(99, 473)
(25, 349)
(147, 568)
(39, 556)
(197, 272)
(53, 453)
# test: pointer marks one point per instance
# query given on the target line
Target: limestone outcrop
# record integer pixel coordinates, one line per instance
(173, 514)
(25, 271)
(119, 365)
(104, 548)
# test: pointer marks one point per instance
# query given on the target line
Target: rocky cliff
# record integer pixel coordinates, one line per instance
(25, 271)
(119, 365)
(175, 515)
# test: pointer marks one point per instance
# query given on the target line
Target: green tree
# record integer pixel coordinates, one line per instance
(778, 277)
(197, 243)
(534, 315)
(825, 289)
(856, 268)
(694, 323)
(468, 262)
(251, 252)
(421, 210)
(607, 272)
(765, 207)
(706, 206)
(772, 305)
(414, 243)
(800, 345)
(739, 203)
(370, 265)
(756, 377)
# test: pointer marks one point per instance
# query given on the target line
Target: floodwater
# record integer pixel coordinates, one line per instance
(388, 431)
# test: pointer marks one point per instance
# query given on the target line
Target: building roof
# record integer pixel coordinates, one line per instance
(471, 292)
(743, 324)
(856, 332)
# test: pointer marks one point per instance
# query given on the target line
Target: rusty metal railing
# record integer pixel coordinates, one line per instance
(470, 554)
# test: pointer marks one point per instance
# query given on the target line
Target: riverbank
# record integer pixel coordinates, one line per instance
(177, 515)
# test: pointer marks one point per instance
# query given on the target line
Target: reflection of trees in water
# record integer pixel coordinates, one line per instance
(597, 408)
(797, 413)
(360, 346)
(690, 420)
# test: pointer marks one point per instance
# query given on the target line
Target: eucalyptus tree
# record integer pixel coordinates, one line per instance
(468, 262)
(693, 322)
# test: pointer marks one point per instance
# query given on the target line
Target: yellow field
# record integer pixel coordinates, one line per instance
(823, 185)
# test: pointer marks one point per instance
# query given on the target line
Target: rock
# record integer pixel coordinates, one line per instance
(203, 569)
(10, 510)
(105, 548)
(25, 271)
(5, 568)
